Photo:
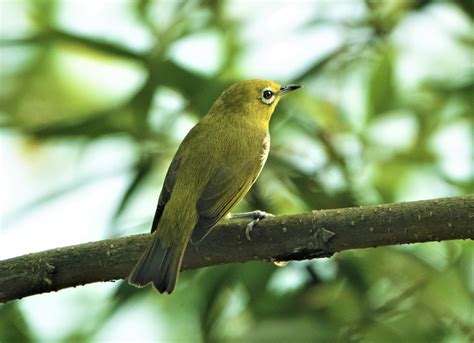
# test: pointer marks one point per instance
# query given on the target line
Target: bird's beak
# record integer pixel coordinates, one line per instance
(289, 88)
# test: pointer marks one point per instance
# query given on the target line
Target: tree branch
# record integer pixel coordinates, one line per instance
(282, 238)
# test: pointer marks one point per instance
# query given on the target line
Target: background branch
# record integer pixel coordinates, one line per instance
(293, 237)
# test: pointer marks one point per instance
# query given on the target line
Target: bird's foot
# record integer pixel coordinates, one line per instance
(256, 216)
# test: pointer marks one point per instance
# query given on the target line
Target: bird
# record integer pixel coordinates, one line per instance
(214, 167)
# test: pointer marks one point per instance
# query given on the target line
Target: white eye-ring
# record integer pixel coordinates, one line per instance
(267, 96)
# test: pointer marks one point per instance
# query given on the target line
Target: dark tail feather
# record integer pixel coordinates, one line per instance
(159, 265)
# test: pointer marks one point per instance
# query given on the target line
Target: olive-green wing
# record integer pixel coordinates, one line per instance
(165, 194)
(225, 188)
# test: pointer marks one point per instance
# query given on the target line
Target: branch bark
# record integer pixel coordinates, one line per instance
(283, 238)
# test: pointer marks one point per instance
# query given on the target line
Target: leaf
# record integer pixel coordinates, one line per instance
(199, 90)
(308, 187)
(298, 328)
(213, 283)
(352, 271)
(467, 6)
(89, 127)
(381, 91)
(142, 169)
(110, 121)
(255, 277)
(93, 43)
(320, 64)
(13, 326)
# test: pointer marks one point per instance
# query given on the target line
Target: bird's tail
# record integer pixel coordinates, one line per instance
(159, 265)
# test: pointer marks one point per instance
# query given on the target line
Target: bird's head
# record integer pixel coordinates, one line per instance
(254, 98)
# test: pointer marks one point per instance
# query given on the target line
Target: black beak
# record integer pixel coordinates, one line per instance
(289, 88)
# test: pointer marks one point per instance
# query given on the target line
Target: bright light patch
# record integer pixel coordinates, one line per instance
(14, 22)
(78, 217)
(83, 208)
(287, 54)
(107, 19)
(427, 50)
(333, 178)
(433, 253)
(454, 146)
(182, 125)
(308, 155)
(287, 278)
(397, 130)
(326, 268)
(56, 306)
(15, 59)
(277, 46)
(98, 75)
(148, 324)
(201, 53)
(167, 104)
(422, 184)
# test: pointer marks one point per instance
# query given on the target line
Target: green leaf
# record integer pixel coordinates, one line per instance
(13, 326)
(142, 169)
(381, 88)
(320, 64)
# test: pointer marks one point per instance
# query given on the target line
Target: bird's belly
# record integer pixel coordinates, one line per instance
(265, 149)
(263, 155)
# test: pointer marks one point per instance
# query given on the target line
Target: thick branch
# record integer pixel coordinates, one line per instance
(295, 237)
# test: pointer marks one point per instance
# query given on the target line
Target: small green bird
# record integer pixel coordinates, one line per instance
(214, 167)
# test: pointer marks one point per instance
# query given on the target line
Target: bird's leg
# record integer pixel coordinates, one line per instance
(256, 216)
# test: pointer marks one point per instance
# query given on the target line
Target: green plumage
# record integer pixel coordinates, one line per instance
(214, 167)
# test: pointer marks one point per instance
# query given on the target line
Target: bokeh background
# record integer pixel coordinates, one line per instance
(95, 97)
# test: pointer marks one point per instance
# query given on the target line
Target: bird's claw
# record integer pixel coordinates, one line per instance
(258, 215)
(250, 228)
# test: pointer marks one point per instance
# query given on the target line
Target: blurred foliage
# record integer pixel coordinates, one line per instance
(327, 151)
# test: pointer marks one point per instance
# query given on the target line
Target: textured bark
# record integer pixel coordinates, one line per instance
(282, 238)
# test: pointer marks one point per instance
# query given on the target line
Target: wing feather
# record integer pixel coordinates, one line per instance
(170, 180)
(225, 188)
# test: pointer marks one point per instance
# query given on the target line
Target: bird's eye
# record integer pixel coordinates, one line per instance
(268, 96)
